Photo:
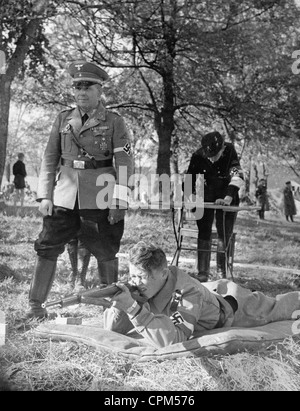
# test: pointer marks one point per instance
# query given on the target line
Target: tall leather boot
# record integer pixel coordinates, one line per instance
(40, 287)
(203, 260)
(108, 272)
(72, 248)
(221, 259)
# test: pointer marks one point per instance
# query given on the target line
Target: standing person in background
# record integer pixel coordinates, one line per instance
(289, 202)
(261, 195)
(19, 171)
(78, 253)
(218, 162)
(89, 193)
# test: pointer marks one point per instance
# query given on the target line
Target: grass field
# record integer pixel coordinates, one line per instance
(266, 257)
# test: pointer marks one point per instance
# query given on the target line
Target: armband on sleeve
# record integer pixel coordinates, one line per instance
(237, 177)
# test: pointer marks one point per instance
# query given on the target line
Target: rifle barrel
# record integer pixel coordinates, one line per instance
(64, 302)
(94, 293)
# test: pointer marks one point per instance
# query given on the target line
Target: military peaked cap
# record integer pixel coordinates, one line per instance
(212, 143)
(82, 70)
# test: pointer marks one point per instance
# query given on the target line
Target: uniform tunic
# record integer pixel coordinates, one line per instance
(103, 136)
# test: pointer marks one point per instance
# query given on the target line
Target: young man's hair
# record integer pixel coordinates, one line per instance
(147, 256)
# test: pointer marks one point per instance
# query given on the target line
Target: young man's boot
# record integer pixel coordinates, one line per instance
(203, 260)
(40, 287)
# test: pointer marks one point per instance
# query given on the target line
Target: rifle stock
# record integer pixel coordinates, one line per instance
(94, 296)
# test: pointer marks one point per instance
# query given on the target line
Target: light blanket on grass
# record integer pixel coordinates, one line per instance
(214, 342)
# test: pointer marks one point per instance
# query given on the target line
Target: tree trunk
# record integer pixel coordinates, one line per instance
(164, 121)
(164, 150)
(164, 125)
(5, 85)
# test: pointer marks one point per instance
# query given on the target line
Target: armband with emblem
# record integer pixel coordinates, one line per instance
(237, 177)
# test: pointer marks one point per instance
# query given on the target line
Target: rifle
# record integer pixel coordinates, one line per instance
(95, 296)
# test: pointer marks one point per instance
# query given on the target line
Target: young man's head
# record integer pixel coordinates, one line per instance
(148, 268)
(21, 156)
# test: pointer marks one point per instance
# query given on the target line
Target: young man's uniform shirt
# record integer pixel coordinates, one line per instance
(182, 308)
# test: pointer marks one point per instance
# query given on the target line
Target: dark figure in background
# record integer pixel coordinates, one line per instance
(261, 195)
(217, 160)
(89, 193)
(78, 253)
(289, 202)
(19, 171)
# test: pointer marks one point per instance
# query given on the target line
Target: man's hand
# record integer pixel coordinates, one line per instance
(224, 201)
(46, 207)
(116, 215)
(123, 300)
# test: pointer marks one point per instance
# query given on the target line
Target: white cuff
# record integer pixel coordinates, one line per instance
(120, 193)
(237, 182)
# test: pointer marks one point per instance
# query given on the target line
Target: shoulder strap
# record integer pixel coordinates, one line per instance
(81, 148)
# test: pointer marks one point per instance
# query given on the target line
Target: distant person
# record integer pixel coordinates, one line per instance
(261, 195)
(19, 171)
(78, 253)
(289, 202)
(80, 258)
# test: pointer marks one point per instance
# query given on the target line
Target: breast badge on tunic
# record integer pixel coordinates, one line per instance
(66, 129)
(103, 144)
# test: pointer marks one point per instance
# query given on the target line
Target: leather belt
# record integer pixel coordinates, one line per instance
(83, 165)
(223, 315)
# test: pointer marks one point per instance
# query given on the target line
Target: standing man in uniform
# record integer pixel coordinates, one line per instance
(218, 162)
(89, 193)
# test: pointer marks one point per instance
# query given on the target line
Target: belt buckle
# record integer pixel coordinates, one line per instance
(79, 164)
